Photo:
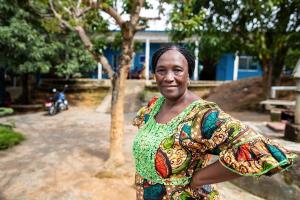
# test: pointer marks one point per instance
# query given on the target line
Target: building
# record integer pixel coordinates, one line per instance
(230, 67)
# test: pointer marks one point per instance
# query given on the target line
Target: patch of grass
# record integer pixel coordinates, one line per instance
(6, 111)
(9, 138)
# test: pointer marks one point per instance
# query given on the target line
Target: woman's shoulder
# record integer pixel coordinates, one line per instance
(200, 103)
(152, 101)
(204, 104)
(144, 112)
(199, 108)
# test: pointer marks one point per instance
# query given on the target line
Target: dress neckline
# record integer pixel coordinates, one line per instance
(176, 118)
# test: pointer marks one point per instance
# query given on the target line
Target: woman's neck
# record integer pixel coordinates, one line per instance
(182, 99)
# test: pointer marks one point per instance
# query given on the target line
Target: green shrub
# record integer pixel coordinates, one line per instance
(6, 111)
(9, 138)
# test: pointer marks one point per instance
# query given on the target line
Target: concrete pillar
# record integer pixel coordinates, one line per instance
(196, 52)
(147, 58)
(14, 81)
(297, 109)
(292, 131)
(236, 66)
(99, 71)
(297, 76)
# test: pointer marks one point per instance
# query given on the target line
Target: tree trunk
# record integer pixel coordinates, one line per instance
(25, 89)
(272, 69)
(117, 118)
(267, 67)
(209, 70)
(278, 65)
(116, 156)
(2, 86)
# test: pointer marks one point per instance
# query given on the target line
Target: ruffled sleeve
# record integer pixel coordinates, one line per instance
(143, 114)
(240, 149)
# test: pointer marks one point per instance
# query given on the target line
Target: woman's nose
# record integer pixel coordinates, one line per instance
(169, 76)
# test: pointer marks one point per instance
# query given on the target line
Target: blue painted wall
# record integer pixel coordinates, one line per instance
(112, 56)
(225, 69)
(249, 73)
(141, 53)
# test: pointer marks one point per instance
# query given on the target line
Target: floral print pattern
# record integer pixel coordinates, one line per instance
(204, 129)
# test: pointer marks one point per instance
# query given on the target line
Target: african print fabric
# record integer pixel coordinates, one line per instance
(167, 155)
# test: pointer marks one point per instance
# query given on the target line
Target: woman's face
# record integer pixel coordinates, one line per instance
(171, 74)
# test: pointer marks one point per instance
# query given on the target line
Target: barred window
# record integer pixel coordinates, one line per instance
(248, 63)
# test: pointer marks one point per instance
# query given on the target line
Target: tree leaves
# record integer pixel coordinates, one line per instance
(29, 44)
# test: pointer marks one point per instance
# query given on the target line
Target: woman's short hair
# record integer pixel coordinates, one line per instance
(190, 58)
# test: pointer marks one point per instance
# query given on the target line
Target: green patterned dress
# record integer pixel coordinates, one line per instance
(167, 155)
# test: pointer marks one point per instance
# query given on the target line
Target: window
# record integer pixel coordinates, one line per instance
(248, 63)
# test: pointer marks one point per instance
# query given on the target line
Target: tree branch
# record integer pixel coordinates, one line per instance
(89, 46)
(113, 13)
(58, 16)
(141, 27)
(150, 18)
(78, 4)
(83, 11)
(135, 14)
(65, 9)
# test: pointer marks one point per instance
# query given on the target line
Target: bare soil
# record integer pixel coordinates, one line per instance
(246, 94)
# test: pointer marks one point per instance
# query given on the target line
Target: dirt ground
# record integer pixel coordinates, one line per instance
(62, 155)
(246, 94)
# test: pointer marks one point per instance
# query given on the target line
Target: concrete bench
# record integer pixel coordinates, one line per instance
(271, 103)
(281, 88)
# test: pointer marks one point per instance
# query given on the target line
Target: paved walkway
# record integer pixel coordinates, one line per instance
(62, 154)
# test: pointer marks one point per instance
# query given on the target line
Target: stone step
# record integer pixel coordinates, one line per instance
(132, 102)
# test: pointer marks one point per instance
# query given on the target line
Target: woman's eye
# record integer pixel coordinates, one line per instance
(160, 71)
(177, 71)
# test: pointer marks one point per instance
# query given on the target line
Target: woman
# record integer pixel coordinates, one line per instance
(179, 131)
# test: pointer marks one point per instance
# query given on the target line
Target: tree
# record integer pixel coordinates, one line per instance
(24, 50)
(72, 59)
(265, 29)
(28, 48)
(67, 12)
(85, 21)
(188, 23)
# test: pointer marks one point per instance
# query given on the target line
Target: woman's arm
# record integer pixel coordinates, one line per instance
(213, 173)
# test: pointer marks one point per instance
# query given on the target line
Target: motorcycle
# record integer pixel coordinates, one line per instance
(57, 102)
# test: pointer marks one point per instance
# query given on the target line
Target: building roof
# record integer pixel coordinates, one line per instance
(153, 36)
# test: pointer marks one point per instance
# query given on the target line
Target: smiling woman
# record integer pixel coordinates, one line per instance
(178, 131)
